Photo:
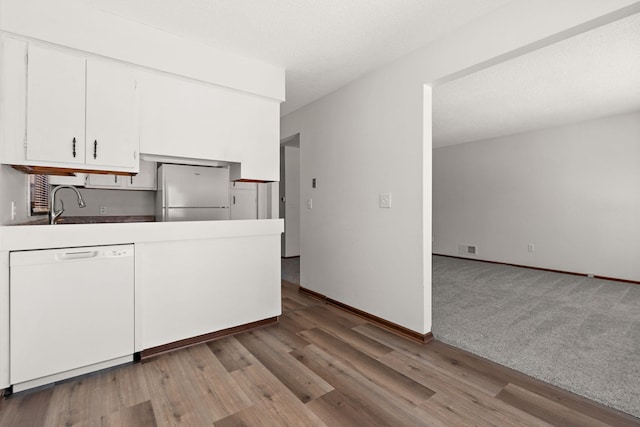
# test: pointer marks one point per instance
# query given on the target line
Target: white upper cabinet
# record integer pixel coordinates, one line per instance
(111, 122)
(187, 119)
(80, 112)
(68, 109)
(55, 106)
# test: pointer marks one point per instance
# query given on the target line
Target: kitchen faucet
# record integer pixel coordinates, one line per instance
(53, 214)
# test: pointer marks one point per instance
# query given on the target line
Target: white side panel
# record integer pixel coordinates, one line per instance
(221, 283)
(13, 102)
(263, 200)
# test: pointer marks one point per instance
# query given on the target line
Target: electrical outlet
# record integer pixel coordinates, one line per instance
(309, 203)
(103, 210)
(385, 200)
(531, 247)
(13, 211)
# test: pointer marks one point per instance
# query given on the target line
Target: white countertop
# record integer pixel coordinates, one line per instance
(27, 237)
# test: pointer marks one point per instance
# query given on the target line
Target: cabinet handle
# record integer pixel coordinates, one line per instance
(234, 200)
(95, 148)
(131, 179)
(115, 178)
(73, 149)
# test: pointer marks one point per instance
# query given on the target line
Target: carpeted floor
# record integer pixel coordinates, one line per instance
(578, 333)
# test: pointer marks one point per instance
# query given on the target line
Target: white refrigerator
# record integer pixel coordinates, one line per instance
(192, 193)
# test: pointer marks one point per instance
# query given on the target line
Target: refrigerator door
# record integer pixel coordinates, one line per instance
(196, 214)
(195, 187)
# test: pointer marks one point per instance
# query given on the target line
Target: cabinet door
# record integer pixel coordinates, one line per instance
(55, 106)
(104, 181)
(78, 180)
(112, 132)
(244, 204)
(145, 179)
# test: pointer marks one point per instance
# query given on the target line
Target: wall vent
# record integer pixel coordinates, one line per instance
(467, 250)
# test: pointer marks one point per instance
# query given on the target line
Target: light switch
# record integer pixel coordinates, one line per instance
(385, 200)
(309, 203)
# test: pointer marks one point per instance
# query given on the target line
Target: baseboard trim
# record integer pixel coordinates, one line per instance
(393, 327)
(614, 279)
(313, 294)
(154, 351)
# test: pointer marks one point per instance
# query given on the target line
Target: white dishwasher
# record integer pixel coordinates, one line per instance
(71, 312)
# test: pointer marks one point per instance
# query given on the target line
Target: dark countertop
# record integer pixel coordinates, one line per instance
(105, 219)
(94, 219)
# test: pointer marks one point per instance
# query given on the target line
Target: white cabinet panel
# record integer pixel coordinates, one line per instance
(55, 106)
(111, 122)
(220, 283)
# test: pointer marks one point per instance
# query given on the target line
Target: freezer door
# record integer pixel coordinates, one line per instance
(195, 186)
(196, 214)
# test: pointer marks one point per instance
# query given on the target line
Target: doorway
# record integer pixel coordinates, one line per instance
(289, 202)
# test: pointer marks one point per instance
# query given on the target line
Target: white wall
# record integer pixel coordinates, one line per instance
(361, 141)
(573, 191)
(291, 245)
(371, 137)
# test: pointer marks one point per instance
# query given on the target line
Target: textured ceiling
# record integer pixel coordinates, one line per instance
(594, 74)
(322, 44)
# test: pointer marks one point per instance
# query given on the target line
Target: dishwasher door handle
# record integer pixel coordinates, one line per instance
(76, 255)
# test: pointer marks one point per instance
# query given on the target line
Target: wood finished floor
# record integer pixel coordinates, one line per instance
(318, 366)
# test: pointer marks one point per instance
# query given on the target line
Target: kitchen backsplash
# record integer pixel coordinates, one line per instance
(108, 202)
